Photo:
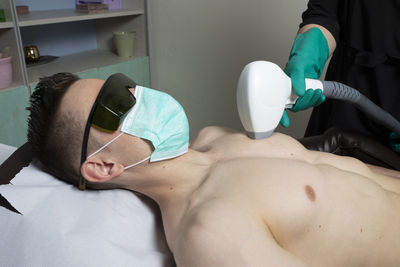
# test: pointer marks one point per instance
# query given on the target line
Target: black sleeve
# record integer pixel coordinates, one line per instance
(324, 13)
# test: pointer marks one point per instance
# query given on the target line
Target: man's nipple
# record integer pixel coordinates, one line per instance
(310, 193)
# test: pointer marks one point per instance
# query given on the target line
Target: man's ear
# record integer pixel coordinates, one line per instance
(97, 170)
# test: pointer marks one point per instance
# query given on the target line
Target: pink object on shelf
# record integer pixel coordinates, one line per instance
(112, 4)
(5, 72)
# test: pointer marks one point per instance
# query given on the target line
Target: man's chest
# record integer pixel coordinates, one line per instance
(294, 202)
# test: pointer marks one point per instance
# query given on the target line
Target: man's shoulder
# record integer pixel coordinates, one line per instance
(209, 134)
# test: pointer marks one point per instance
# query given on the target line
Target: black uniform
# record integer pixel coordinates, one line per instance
(367, 58)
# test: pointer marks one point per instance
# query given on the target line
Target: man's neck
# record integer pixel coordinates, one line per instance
(172, 182)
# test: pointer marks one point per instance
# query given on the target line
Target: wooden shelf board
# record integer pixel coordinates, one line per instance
(76, 63)
(69, 15)
(6, 25)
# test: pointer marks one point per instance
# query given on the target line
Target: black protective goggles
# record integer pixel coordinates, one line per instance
(109, 110)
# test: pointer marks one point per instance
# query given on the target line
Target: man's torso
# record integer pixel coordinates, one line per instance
(274, 189)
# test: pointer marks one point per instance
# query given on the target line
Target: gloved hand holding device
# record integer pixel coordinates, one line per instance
(307, 59)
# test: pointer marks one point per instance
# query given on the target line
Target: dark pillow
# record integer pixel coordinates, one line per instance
(344, 143)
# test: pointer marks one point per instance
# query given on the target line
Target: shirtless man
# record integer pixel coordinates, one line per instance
(232, 201)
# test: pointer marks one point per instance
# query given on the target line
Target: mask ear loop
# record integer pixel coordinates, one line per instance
(137, 163)
(112, 140)
(101, 148)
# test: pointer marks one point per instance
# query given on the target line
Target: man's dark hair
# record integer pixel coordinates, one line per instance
(55, 138)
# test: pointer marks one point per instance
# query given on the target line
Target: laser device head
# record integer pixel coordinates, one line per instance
(263, 92)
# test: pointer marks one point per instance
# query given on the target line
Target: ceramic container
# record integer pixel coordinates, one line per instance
(5, 72)
(125, 43)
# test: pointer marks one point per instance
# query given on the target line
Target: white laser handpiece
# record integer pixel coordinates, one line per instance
(263, 93)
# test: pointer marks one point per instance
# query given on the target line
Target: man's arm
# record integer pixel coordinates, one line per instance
(206, 247)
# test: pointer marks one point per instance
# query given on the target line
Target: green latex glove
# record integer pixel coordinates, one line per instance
(394, 142)
(311, 97)
(307, 60)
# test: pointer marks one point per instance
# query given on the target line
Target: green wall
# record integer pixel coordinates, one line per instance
(13, 114)
(13, 102)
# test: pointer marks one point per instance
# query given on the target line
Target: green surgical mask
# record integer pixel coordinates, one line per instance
(159, 118)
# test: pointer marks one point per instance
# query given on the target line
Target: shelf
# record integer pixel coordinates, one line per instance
(75, 63)
(6, 25)
(69, 15)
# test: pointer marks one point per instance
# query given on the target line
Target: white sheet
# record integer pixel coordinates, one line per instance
(62, 226)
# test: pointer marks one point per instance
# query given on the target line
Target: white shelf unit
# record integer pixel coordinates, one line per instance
(75, 63)
(132, 17)
(105, 54)
(70, 15)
